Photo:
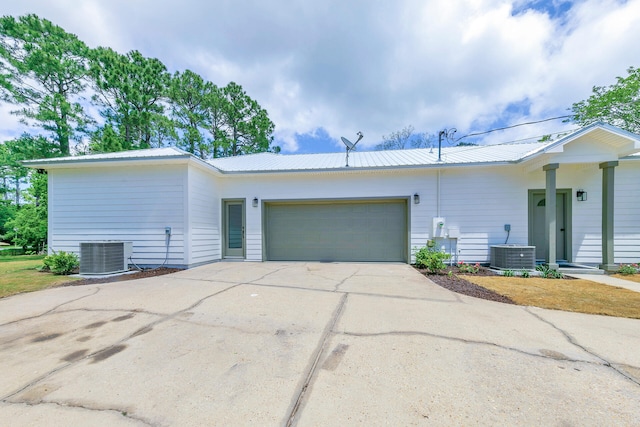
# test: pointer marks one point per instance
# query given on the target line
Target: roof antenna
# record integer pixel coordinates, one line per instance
(350, 145)
(448, 134)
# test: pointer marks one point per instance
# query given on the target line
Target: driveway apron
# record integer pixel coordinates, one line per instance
(307, 344)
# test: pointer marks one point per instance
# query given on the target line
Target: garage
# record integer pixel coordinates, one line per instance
(337, 230)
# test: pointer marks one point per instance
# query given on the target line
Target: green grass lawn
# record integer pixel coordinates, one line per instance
(20, 274)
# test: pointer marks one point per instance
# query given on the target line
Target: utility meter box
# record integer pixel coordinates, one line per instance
(453, 232)
(439, 227)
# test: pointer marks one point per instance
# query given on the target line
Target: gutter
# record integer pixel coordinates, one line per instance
(368, 168)
(81, 162)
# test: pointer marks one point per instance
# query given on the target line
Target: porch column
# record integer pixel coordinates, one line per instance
(550, 214)
(607, 215)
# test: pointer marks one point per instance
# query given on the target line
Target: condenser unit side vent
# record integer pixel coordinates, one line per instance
(104, 257)
(513, 257)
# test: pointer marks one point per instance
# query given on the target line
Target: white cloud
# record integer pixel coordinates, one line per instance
(376, 66)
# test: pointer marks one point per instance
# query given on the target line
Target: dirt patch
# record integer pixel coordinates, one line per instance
(454, 281)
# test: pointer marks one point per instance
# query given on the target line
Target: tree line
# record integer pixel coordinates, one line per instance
(79, 100)
(52, 77)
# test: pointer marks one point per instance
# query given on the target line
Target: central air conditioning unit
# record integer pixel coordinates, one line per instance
(512, 257)
(104, 257)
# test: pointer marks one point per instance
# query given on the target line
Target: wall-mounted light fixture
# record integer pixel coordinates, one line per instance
(416, 199)
(255, 202)
(581, 195)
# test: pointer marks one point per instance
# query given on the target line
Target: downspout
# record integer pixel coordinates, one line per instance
(438, 196)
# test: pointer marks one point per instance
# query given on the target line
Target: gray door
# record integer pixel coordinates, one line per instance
(234, 229)
(337, 231)
(538, 236)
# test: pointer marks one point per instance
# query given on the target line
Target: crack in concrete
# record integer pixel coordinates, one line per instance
(196, 279)
(284, 267)
(226, 327)
(320, 350)
(121, 412)
(115, 310)
(402, 297)
(572, 340)
(331, 279)
(235, 282)
(113, 345)
(50, 310)
(335, 290)
(337, 287)
(465, 341)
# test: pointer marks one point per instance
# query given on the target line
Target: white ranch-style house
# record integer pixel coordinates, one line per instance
(576, 199)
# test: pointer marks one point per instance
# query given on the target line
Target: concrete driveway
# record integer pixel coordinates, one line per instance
(307, 344)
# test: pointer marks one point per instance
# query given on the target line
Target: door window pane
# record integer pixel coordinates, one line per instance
(234, 237)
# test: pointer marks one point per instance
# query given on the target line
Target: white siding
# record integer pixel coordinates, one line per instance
(120, 203)
(477, 200)
(326, 186)
(627, 213)
(480, 201)
(137, 203)
(587, 215)
(204, 217)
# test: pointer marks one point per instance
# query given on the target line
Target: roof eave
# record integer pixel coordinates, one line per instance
(370, 168)
(79, 162)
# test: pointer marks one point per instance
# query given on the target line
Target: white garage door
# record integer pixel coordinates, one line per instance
(371, 230)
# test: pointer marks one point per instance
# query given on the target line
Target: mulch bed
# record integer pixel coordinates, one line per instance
(122, 277)
(455, 282)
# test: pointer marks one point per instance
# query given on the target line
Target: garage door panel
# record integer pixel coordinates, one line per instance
(358, 231)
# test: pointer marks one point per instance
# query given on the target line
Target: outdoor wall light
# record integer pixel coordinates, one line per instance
(581, 195)
(255, 202)
(416, 199)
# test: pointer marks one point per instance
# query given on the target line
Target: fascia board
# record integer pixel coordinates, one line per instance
(79, 162)
(345, 170)
(84, 163)
(558, 146)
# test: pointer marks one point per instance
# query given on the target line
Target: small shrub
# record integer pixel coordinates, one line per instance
(628, 269)
(61, 262)
(555, 274)
(525, 274)
(548, 273)
(431, 259)
(468, 268)
(508, 273)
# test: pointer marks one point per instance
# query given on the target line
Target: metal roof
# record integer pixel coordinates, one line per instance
(151, 153)
(270, 162)
(358, 160)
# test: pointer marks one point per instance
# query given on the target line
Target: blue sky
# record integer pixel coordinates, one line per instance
(555, 9)
(333, 68)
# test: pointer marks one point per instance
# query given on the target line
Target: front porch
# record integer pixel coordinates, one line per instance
(587, 150)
